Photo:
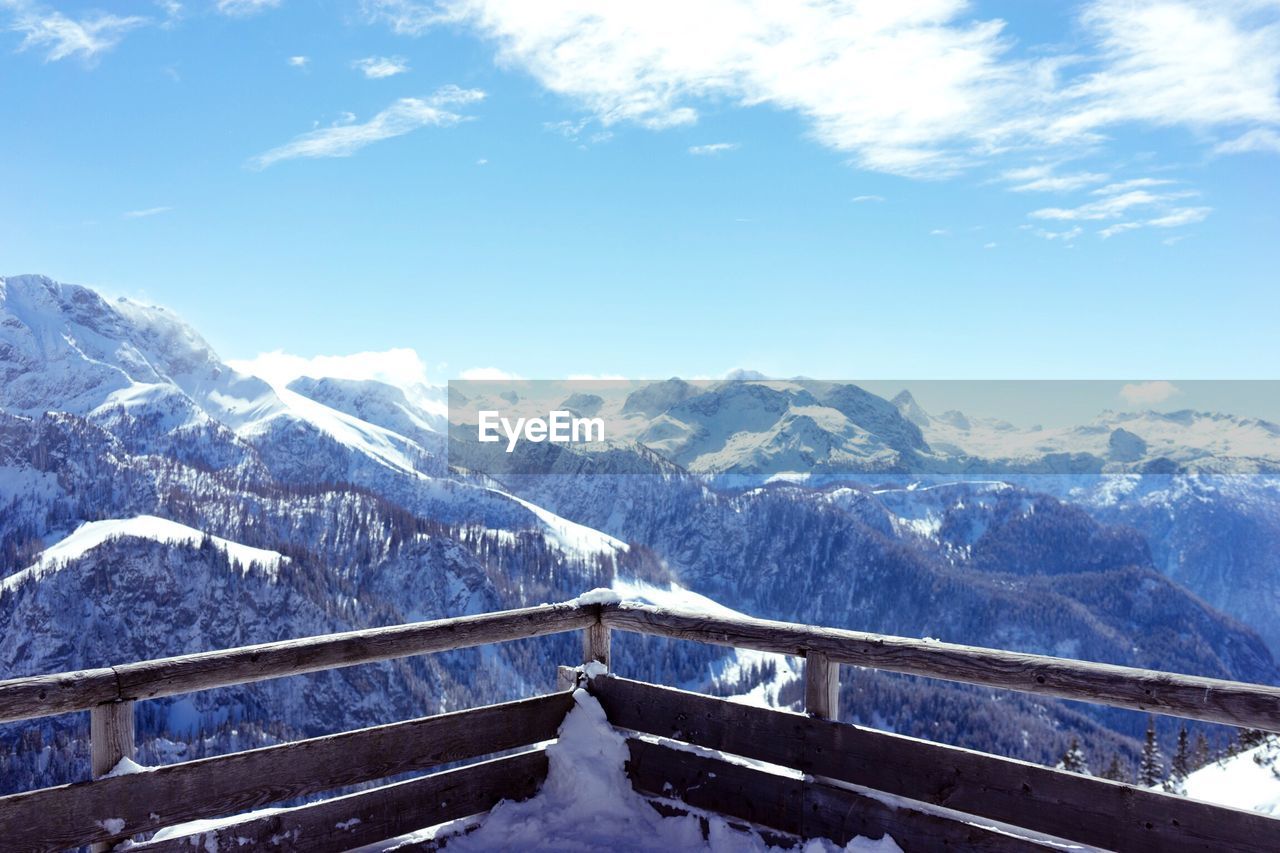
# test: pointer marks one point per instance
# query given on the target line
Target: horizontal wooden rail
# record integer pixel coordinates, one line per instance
(1080, 808)
(81, 813)
(369, 817)
(1209, 699)
(805, 808)
(43, 695)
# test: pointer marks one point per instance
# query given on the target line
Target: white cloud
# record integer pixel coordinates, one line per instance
(1119, 228)
(863, 199)
(1066, 236)
(1108, 207)
(487, 373)
(62, 37)
(940, 232)
(990, 245)
(406, 17)
(655, 63)
(1258, 139)
(1043, 179)
(712, 148)
(1132, 184)
(244, 8)
(299, 61)
(378, 67)
(145, 212)
(400, 367)
(1175, 62)
(923, 89)
(1149, 393)
(1180, 216)
(403, 116)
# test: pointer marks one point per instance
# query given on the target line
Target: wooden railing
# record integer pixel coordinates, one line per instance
(850, 771)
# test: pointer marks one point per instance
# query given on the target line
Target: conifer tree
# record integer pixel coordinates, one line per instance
(1073, 759)
(1181, 767)
(1151, 768)
(1115, 771)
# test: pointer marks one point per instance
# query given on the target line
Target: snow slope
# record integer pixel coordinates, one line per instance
(1250, 780)
(92, 534)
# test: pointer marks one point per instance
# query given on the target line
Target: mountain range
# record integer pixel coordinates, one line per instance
(154, 501)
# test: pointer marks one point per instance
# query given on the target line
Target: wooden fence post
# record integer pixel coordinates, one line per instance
(595, 643)
(821, 686)
(110, 739)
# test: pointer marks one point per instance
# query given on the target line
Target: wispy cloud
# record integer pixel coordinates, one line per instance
(1043, 178)
(864, 199)
(961, 95)
(401, 367)
(299, 61)
(406, 17)
(712, 148)
(146, 211)
(403, 116)
(1068, 236)
(244, 8)
(1258, 139)
(377, 67)
(60, 36)
(1148, 393)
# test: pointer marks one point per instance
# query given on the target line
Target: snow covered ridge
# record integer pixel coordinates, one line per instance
(66, 348)
(94, 533)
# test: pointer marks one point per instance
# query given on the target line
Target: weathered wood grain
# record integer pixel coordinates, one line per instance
(184, 674)
(45, 695)
(376, 815)
(110, 736)
(1209, 699)
(38, 696)
(821, 686)
(110, 739)
(803, 807)
(71, 815)
(1091, 811)
(596, 643)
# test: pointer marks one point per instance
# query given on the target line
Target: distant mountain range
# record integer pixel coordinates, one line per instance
(155, 501)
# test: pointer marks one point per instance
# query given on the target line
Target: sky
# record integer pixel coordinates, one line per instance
(933, 190)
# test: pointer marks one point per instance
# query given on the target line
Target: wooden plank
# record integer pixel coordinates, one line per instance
(38, 696)
(43, 695)
(595, 643)
(168, 676)
(1091, 811)
(377, 815)
(1208, 699)
(821, 686)
(804, 807)
(110, 739)
(71, 815)
(110, 736)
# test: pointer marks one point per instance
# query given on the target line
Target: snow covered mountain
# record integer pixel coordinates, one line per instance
(155, 501)
(1114, 442)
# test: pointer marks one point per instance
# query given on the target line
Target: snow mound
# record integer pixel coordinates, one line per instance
(94, 533)
(588, 804)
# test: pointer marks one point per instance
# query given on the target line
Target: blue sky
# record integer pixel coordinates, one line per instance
(950, 190)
